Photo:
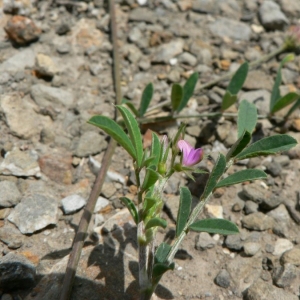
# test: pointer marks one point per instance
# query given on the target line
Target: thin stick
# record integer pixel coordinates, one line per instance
(88, 212)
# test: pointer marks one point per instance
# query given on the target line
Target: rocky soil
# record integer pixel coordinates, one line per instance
(56, 72)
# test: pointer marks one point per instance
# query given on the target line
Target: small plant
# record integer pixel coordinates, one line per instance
(166, 157)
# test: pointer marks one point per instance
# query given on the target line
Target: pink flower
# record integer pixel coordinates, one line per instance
(191, 156)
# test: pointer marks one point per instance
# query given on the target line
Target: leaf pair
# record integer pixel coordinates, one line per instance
(235, 86)
(277, 101)
(181, 95)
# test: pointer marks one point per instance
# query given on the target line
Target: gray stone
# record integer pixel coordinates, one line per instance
(257, 221)
(4, 78)
(281, 246)
(18, 62)
(261, 99)
(34, 213)
(255, 192)
(262, 290)
(45, 95)
(136, 36)
(292, 257)
(285, 275)
(187, 58)
(72, 204)
(251, 248)
(280, 214)
(204, 241)
(89, 143)
(63, 48)
(288, 76)
(142, 14)
(231, 28)
(271, 16)
(16, 272)
(20, 163)
(165, 52)
(101, 203)
(10, 195)
(234, 242)
(257, 80)
(223, 279)
(274, 168)
(271, 202)
(205, 6)
(250, 207)
(16, 108)
(290, 7)
(23, 8)
(283, 160)
(11, 237)
(238, 205)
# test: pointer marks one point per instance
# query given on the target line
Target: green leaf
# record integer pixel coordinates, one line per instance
(159, 269)
(176, 95)
(184, 209)
(115, 131)
(285, 101)
(155, 222)
(219, 226)
(228, 100)
(275, 96)
(131, 106)
(215, 175)
(146, 98)
(131, 207)
(269, 145)
(148, 161)
(188, 90)
(150, 178)
(134, 133)
(155, 148)
(242, 176)
(293, 108)
(162, 252)
(148, 203)
(239, 145)
(238, 79)
(247, 117)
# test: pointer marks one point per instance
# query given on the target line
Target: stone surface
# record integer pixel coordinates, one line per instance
(10, 195)
(257, 221)
(251, 248)
(292, 257)
(11, 237)
(72, 203)
(34, 213)
(165, 52)
(20, 163)
(204, 241)
(224, 27)
(281, 246)
(285, 275)
(45, 65)
(223, 279)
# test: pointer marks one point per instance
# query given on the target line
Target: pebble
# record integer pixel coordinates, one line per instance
(20, 7)
(234, 242)
(230, 28)
(204, 241)
(285, 275)
(255, 192)
(271, 16)
(45, 65)
(63, 48)
(34, 213)
(214, 211)
(187, 58)
(204, 6)
(11, 237)
(257, 221)
(290, 7)
(142, 14)
(281, 246)
(257, 80)
(16, 272)
(20, 163)
(101, 203)
(261, 99)
(262, 290)
(291, 256)
(72, 204)
(22, 30)
(164, 53)
(251, 248)
(10, 195)
(223, 279)
(250, 207)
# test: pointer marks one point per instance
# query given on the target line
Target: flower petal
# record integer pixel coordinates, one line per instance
(194, 157)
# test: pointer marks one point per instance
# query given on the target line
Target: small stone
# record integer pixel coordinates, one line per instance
(4, 213)
(205, 6)
(63, 48)
(19, 7)
(223, 279)
(204, 241)
(174, 75)
(45, 65)
(165, 52)
(89, 143)
(20, 163)
(285, 275)
(187, 58)
(214, 211)
(16, 272)
(292, 257)
(63, 28)
(57, 165)
(251, 248)
(260, 98)
(230, 28)
(72, 204)
(262, 290)
(100, 204)
(234, 242)
(269, 248)
(34, 213)
(10, 195)
(142, 14)
(11, 237)
(22, 30)
(257, 221)
(238, 205)
(290, 7)
(271, 16)
(258, 79)
(255, 192)
(108, 189)
(274, 168)
(281, 246)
